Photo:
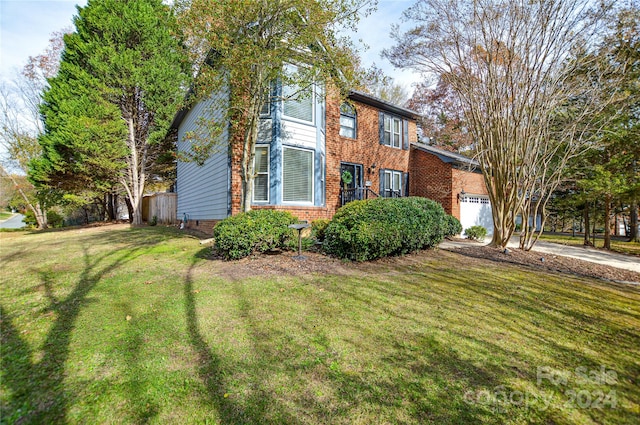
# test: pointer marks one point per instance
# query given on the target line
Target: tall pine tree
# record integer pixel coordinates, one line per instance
(121, 80)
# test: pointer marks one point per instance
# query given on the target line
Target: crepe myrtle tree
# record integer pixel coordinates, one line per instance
(527, 82)
(243, 47)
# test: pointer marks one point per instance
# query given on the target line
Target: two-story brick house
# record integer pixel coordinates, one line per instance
(304, 148)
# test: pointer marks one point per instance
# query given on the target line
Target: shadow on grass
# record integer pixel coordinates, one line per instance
(37, 391)
(258, 409)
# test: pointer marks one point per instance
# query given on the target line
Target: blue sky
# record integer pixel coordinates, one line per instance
(26, 25)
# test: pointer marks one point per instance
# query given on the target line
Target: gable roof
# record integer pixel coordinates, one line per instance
(447, 156)
(376, 102)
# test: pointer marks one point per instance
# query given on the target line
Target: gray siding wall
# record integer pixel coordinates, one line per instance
(203, 191)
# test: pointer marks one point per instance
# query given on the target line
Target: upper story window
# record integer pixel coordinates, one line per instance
(392, 131)
(265, 109)
(348, 121)
(298, 102)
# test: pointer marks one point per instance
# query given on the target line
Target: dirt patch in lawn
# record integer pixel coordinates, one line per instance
(280, 263)
(286, 264)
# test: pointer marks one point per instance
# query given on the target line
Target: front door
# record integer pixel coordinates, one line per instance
(353, 189)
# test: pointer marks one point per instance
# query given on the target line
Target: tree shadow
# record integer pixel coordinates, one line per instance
(258, 408)
(37, 388)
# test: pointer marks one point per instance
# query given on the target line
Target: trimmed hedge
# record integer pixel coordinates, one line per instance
(380, 227)
(243, 234)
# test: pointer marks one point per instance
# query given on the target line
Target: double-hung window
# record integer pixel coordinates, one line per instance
(297, 175)
(261, 178)
(391, 184)
(298, 102)
(392, 131)
(348, 121)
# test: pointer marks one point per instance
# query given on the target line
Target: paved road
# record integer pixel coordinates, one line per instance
(621, 261)
(14, 222)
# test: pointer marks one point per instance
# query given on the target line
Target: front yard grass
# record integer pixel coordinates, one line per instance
(119, 325)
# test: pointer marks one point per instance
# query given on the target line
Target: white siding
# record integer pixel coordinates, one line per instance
(203, 190)
(265, 130)
(298, 134)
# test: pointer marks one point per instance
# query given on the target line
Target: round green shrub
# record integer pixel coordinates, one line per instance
(380, 227)
(476, 233)
(243, 234)
(453, 226)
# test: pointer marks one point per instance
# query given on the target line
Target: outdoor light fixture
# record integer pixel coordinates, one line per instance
(372, 167)
(461, 194)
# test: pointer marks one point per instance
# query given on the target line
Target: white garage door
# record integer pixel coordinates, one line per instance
(476, 211)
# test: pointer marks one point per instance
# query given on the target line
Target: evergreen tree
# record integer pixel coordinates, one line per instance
(107, 111)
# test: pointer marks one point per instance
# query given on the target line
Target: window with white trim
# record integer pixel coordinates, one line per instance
(392, 132)
(261, 179)
(297, 175)
(348, 121)
(392, 184)
(298, 102)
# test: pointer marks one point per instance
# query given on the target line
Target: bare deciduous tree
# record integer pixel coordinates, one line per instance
(520, 69)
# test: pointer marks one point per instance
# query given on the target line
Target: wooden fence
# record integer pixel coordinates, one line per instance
(161, 205)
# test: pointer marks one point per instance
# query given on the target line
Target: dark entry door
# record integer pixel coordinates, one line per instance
(353, 189)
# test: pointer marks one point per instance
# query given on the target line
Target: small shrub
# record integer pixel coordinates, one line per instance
(476, 233)
(318, 228)
(453, 226)
(306, 243)
(154, 221)
(54, 219)
(375, 228)
(255, 231)
(30, 219)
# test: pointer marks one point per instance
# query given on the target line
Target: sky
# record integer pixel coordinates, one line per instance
(26, 26)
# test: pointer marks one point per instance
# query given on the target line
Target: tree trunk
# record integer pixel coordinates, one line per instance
(129, 208)
(111, 207)
(607, 222)
(587, 241)
(137, 176)
(248, 154)
(633, 221)
(41, 216)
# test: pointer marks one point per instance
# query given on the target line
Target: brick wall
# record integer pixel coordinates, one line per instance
(442, 182)
(429, 177)
(365, 150)
(205, 226)
(302, 213)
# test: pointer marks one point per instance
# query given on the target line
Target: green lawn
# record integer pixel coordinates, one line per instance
(5, 215)
(113, 325)
(622, 247)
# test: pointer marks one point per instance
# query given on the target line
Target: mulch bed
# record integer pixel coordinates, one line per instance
(285, 264)
(549, 262)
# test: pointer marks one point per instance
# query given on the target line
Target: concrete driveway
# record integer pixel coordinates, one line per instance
(14, 222)
(613, 259)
